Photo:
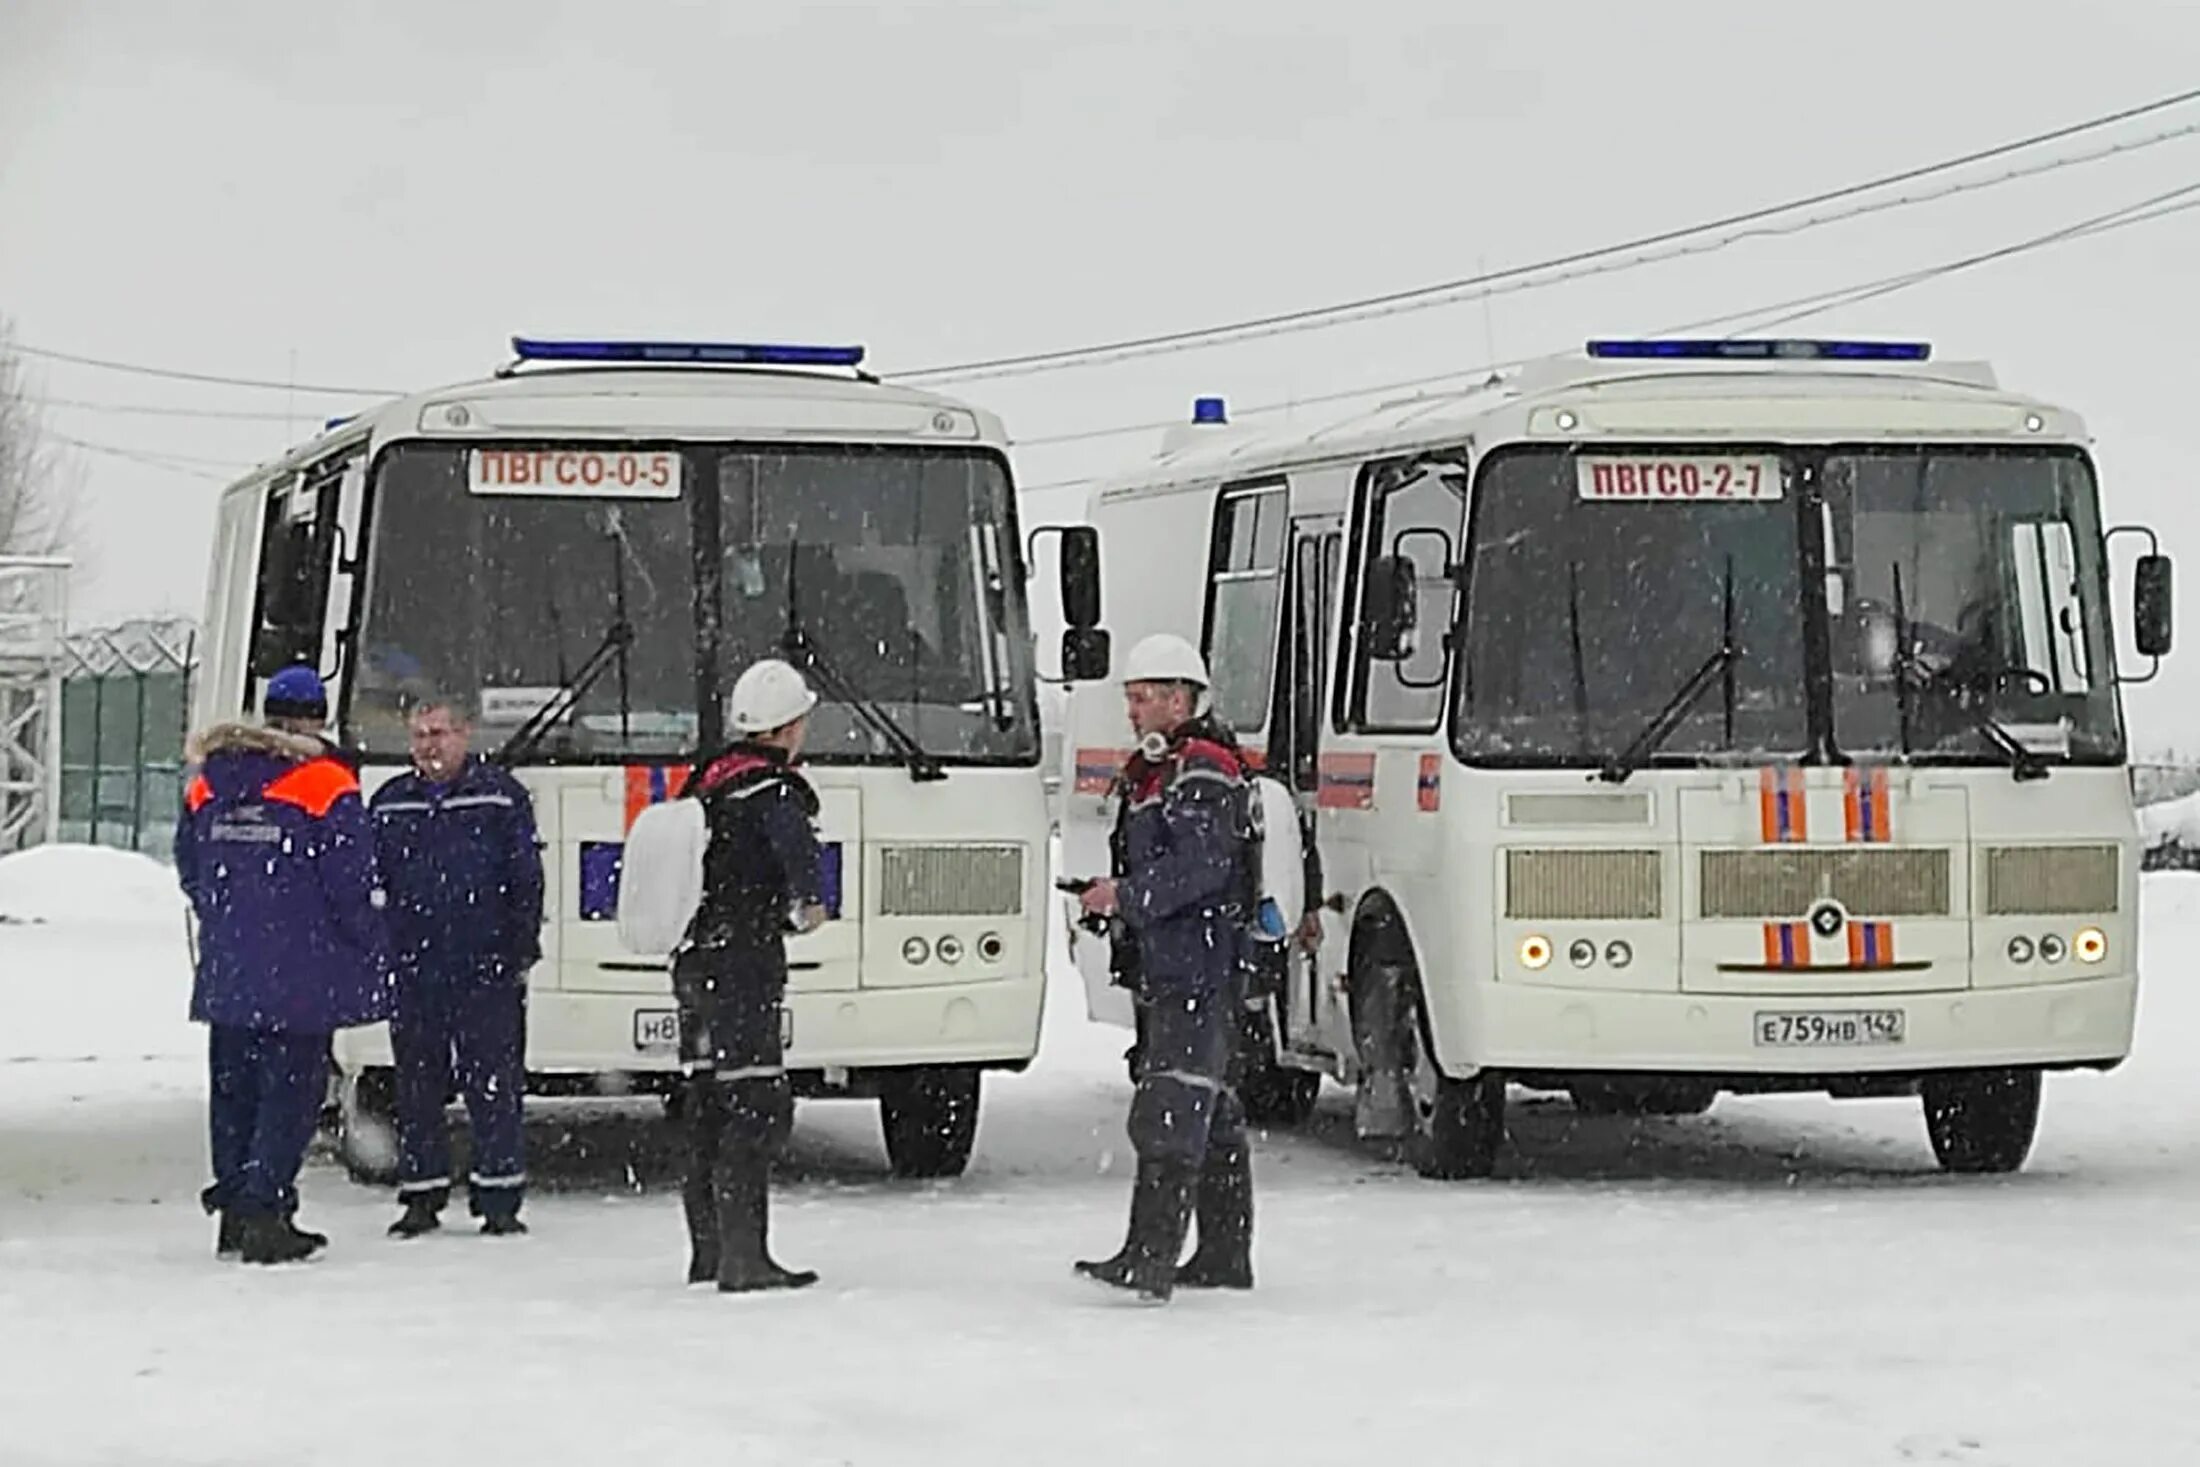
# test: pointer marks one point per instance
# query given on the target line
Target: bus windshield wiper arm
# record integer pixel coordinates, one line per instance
(1718, 666)
(529, 736)
(1666, 719)
(805, 653)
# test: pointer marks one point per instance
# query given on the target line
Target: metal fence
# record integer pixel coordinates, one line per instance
(125, 714)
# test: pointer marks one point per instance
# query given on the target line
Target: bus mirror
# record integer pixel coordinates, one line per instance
(1085, 654)
(1388, 617)
(2152, 606)
(1080, 578)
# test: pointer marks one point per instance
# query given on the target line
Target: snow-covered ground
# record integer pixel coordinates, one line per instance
(1783, 1281)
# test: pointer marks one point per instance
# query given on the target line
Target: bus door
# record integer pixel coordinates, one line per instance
(1312, 1015)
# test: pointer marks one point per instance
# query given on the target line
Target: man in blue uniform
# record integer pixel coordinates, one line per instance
(275, 854)
(1182, 890)
(761, 880)
(462, 868)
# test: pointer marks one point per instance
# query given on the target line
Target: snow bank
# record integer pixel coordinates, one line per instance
(2175, 820)
(80, 884)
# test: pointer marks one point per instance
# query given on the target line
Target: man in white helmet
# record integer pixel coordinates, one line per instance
(761, 880)
(1181, 891)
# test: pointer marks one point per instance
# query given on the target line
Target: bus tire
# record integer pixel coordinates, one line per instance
(1274, 1093)
(930, 1118)
(366, 1126)
(1460, 1124)
(1280, 1096)
(1982, 1120)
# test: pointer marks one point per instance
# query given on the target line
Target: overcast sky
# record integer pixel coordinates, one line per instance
(382, 194)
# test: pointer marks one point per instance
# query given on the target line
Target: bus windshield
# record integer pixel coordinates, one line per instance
(899, 565)
(1962, 616)
(1586, 616)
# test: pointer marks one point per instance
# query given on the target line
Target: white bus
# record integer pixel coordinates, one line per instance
(1677, 718)
(589, 545)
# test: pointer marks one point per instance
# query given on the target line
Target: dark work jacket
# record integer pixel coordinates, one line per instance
(762, 861)
(1181, 850)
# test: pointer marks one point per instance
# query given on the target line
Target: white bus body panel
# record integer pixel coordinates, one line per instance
(1432, 836)
(854, 1001)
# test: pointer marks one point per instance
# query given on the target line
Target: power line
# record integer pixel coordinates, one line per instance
(175, 463)
(152, 410)
(2142, 211)
(214, 379)
(1313, 317)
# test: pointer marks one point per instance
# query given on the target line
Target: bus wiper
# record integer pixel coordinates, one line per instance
(1910, 669)
(528, 737)
(805, 653)
(1719, 667)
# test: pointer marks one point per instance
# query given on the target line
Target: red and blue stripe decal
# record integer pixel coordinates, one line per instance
(1428, 788)
(1347, 782)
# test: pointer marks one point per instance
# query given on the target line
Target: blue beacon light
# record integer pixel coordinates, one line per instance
(726, 353)
(1209, 410)
(1781, 349)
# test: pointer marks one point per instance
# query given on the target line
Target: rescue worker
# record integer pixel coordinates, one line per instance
(761, 880)
(461, 868)
(1181, 889)
(275, 854)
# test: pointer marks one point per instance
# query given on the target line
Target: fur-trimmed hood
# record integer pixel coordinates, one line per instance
(252, 738)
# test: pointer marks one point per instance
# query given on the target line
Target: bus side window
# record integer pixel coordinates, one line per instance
(297, 546)
(1415, 512)
(1244, 591)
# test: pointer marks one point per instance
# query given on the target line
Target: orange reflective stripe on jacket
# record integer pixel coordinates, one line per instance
(197, 793)
(315, 786)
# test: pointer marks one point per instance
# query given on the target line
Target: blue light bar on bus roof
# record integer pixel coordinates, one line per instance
(1784, 349)
(730, 353)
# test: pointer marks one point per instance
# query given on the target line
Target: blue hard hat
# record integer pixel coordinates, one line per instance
(296, 692)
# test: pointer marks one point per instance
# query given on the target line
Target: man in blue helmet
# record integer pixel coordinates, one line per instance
(1183, 891)
(461, 863)
(275, 855)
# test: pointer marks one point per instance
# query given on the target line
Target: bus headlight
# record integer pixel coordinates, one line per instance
(990, 947)
(1619, 954)
(914, 950)
(949, 948)
(2020, 950)
(2053, 949)
(1535, 953)
(2092, 945)
(1581, 952)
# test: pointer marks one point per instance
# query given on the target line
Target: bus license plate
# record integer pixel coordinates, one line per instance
(656, 1030)
(1830, 1029)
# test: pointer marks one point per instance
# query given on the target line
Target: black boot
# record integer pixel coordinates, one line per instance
(289, 1219)
(1161, 1205)
(699, 1199)
(423, 1214)
(503, 1225)
(1224, 1257)
(745, 1263)
(266, 1237)
(229, 1236)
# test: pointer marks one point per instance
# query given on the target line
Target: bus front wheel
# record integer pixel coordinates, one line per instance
(1982, 1120)
(930, 1118)
(1459, 1124)
(366, 1126)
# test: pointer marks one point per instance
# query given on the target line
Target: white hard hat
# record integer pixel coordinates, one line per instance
(771, 694)
(1165, 658)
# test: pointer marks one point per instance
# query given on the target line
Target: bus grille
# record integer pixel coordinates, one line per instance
(1583, 886)
(1777, 884)
(2050, 881)
(951, 881)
